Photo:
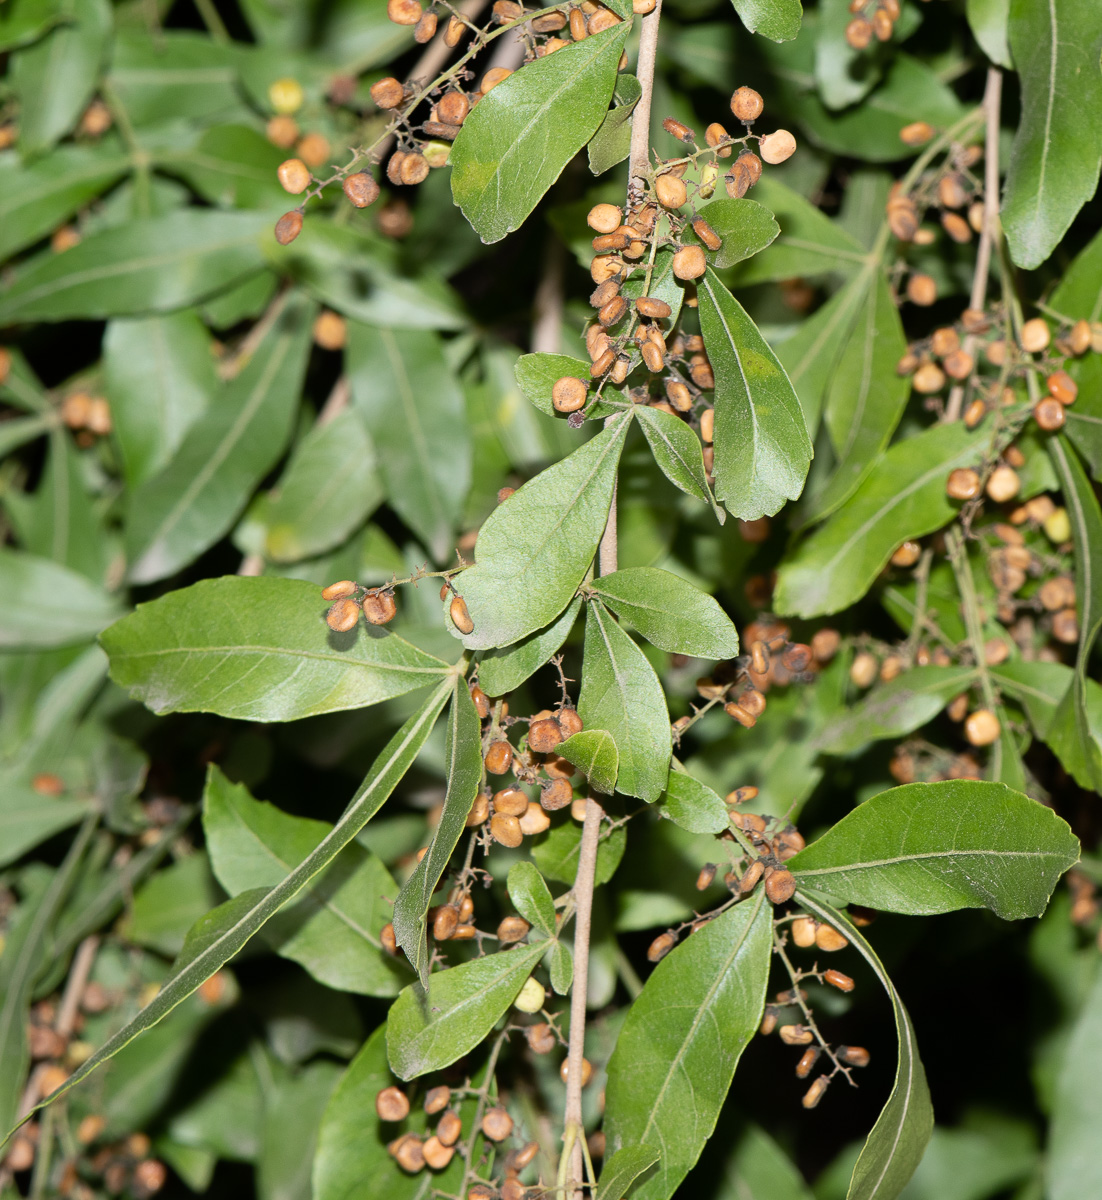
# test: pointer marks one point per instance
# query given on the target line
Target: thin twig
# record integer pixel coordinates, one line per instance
(336, 403)
(992, 98)
(583, 899)
(548, 304)
(234, 364)
(74, 987)
(640, 118)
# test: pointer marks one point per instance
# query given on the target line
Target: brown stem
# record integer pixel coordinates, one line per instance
(992, 98)
(583, 900)
(74, 987)
(548, 305)
(640, 120)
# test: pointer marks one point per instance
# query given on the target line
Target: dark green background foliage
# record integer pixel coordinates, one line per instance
(214, 803)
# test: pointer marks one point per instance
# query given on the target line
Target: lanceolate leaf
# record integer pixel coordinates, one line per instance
(429, 1028)
(500, 671)
(194, 500)
(1040, 687)
(531, 897)
(692, 805)
(677, 451)
(622, 1169)
(896, 708)
(935, 847)
(44, 604)
(333, 930)
(677, 1052)
(902, 497)
(622, 695)
(1058, 147)
(1073, 1166)
(989, 20)
(762, 450)
(895, 1146)
(415, 414)
(260, 650)
(463, 756)
(149, 264)
(514, 145)
(775, 19)
(746, 227)
(1070, 732)
(160, 378)
(330, 487)
(222, 933)
(534, 550)
(865, 397)
(611, 143)
(669, 612)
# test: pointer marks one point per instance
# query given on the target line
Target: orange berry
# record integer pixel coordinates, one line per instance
(461, 618)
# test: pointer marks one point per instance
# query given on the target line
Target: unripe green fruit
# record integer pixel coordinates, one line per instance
(532, 996)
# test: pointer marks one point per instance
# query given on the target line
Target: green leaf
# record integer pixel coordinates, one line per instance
(21, 964)
(1057, 151)
(1040, 687)
(223, 932)
(664, 284)
(170, 903)
(669, 612)
(259, 650)
(21, 430)
(683, 1037)
(989, 20)
(289, 1133)
(594, 753)
(678, 452)
(809, 243)
(811, 354)
(746, 227)
(935, 847)
(1071, 728)
(611, 144)
(775, 19)
(43, 603)
(177, 75)
(621, 694)
(327, 491)
(187, 507)
(556, 852)
(54, 79)
(896, 708)
(463, 756)
(762, 450)
(843, 75)
(532, 898)
(21, 24)
(895, 1146)
(692, 805)
(430, 1028)
(352, 1162)
(903, 496)
(522, 134)
(160, 378)
(1073, 1167)
(534, 551)
(150, 264)
(232, 166)
(622, 1169)
(37, 197)
(414, 409)
(760, 1170)
(560, 967)
(28, 819)
(333, 930)
(501, 671)
(865, 396)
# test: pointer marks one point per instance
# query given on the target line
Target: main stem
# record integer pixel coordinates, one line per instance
(607, 564)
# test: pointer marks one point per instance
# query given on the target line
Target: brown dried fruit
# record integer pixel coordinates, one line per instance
(650, 306)
(661, 946)
(921, 290)
(780, 887)
(1049, 413)
(392, 1104)
(962, 484)
(1035, 335)
(343, 615)
(493, 77)
(288, 227)
(918, 133)
(568, 394)
(497, 1124)
(604, 218)
(460, 617)
(854, 1056)
(506, 830)
(510, 800)
(499, 758)
(541, 1038)
(388, 93)
(982, 727)
(1062, 387)
(747, 105)
(828, 939)
(556, 794)
(587, 1071)
(837, 980)
(777, 146)
(404, 12)
(544, 736)
(444, 924)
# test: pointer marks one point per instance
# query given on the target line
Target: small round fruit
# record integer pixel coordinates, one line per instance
(746, 104)
(294, 176)
(661, 946)
(343, 615)
(361, 189)
(837, 980)
(777, 146)
(437, 1155)
(689, 262)
(921, 290)
(506, 830)
(962, 484)
(330, 330)
(828, 939)
(1049, 414)
(404, 12)
(587, 1071)
(388, 92)
(907, 555)
(379, 607)
(604, 218)
(1062, 387)
(1003, 484)
(531, 997)
(493, 77)
(392, 1104)
(449, 1127)
(534, 820)
(556, 794)
(282, 132)
(1035, 335)
(499, 757)
(285, 96)
(437, 1099)
(928, 379)
(496, 1122)
(982, 727)
(671, 191)
(854, 1056)
(461, 618)
(540, 1038)
(918, 133)
(864, 669)
(444, 924)
(288, 227)
(336, 591)
(780, 887)
(544, 736)
(803, 932)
